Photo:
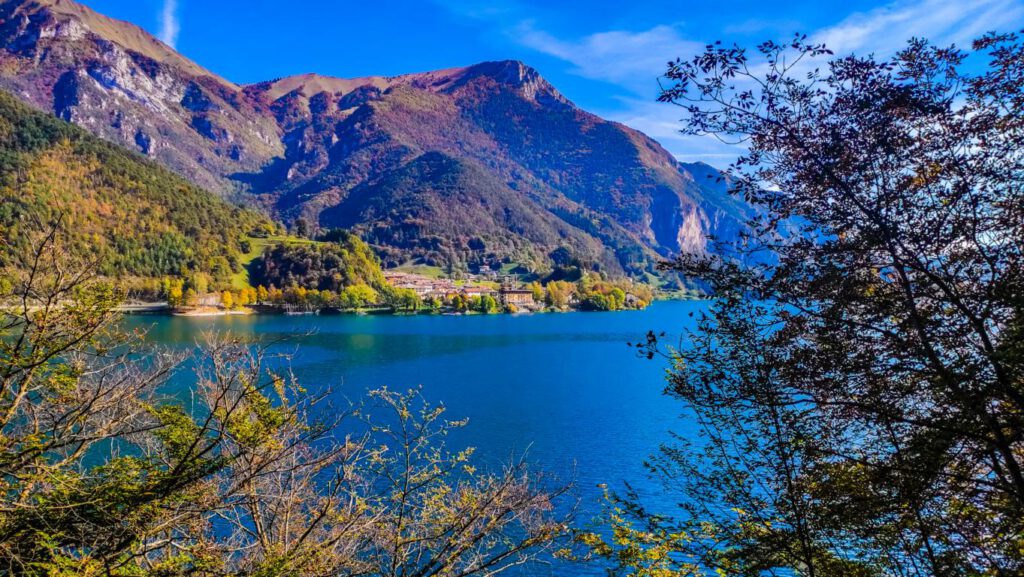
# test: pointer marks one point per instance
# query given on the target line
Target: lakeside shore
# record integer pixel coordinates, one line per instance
(162, 308)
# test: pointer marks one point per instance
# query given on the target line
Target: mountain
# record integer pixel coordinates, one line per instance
(484, 164)
(136, 218)
(120, 83)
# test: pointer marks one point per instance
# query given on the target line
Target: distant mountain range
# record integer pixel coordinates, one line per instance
(486, 164)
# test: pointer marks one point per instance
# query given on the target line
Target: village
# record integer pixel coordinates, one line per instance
(403, 292)
(509, 294)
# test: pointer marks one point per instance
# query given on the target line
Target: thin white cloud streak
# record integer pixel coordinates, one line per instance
(170, 26)
(762, 25)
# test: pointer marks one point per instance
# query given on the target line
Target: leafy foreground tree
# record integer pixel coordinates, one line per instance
(859, 399)
(103, 473)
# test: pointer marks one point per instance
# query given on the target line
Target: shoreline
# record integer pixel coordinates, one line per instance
(212, 312)
(162, 309)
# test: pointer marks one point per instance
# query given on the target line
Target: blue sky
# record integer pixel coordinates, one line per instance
(603, 54)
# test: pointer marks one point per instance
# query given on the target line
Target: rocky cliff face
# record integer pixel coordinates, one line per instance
(120, 83)
(477, 165)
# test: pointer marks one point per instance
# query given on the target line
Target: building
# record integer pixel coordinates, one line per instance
(476, 291)
(487, 272)
(518, 297)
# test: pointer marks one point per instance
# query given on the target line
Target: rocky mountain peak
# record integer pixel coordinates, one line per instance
(515, 75)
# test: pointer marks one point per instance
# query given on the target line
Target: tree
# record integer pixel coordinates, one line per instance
(616, 298)
(200, 283)
(450, 520)
(227, 300)
(322, 266)
(559, 293)
(360, 295)
(173, 292)
(487, 305)
(596, 302)
(261, 294)
(407, 300)
(301, 227)
(858, 380)
(246, 296)
(275, 295)
(166, 228)
(537, 291)
(104, 473)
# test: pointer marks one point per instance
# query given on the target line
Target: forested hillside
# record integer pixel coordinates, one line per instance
(136, 218)
(342, 261)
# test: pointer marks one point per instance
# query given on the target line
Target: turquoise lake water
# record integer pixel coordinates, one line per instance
(565, 388)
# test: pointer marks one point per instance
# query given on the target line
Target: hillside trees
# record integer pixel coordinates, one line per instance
(860, 398)
(332, 266)
(141, 220)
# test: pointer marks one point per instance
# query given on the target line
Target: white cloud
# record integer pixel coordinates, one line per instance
(885, 30)
(633, 60)
(169, 23)
(762, 25)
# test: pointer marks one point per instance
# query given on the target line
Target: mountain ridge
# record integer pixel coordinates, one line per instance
(299, 146)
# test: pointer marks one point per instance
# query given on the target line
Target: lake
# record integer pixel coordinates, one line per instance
(564, 387)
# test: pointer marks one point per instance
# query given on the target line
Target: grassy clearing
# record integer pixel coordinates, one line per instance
(435, 272)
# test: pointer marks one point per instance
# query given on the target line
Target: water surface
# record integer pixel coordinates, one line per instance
(565, 388)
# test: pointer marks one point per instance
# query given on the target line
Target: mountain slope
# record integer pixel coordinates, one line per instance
(117, 81)
(609, 185)
(135, 217)
(426, 166)
(441, 209)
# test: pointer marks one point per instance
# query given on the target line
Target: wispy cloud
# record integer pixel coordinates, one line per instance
(170, 26)
(885, 30)
(633, 60)
(762, 25)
